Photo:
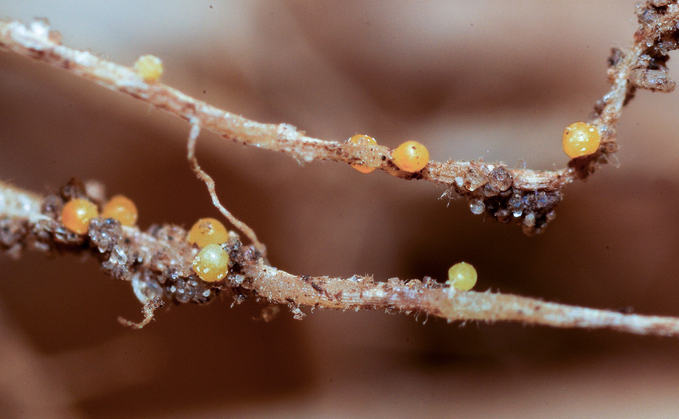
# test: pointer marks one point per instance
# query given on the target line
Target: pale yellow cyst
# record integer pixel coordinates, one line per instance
(462, 276)
(149, 68)
(211, 264)
(207, 231)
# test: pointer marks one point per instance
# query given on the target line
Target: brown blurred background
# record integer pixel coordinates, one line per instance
(494, 80)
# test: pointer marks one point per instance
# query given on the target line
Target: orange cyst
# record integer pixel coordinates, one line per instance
(77, 214)
(122, 209)
(362, 139)
(411, 156)
(207, 231)
(211, 263)
(580, 139)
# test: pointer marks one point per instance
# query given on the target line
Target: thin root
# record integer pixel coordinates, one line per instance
(210, 183)
(147, 310)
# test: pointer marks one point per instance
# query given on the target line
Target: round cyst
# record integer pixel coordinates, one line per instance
(122, 209)
(411, 156)
(211, 264)
(580, 139)
(77, 213)
(462, 276)
(207, 231)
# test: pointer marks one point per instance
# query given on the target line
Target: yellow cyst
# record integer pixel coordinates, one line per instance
(207, 231)
(211, 263)
(411, 156)
(580, 139)
(77, 214)
(361, 139)
(149, 68)
(122, 209)
(462, 276)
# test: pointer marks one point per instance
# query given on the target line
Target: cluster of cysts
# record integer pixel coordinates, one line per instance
(410, 156)
(210, 264)
(580, 139)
